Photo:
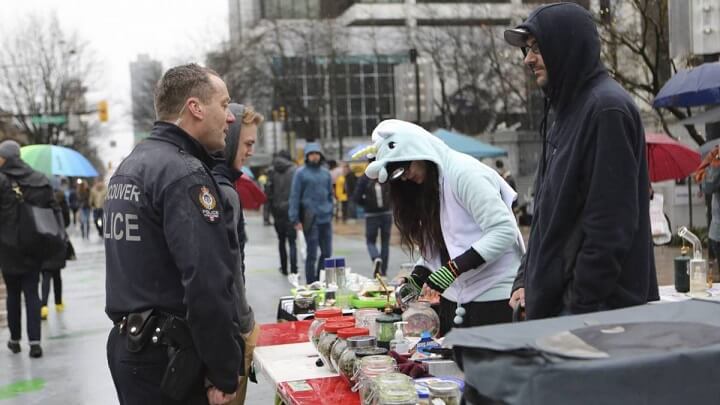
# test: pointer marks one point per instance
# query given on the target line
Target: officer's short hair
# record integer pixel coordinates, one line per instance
(180, 83)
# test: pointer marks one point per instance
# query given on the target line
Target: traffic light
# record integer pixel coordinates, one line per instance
(102, 107)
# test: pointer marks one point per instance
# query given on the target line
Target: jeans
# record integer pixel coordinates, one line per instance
(85, 222)
(286, 232)
(54, 276)
(26, 284)
(319, 234)
(383, 224)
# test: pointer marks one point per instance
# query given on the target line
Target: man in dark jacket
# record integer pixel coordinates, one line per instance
(278, 194)
(374, 197)
(20, 271)
(590, 247)
(239, 146)
(170, 255)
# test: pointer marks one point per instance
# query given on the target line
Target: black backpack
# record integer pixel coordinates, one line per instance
(40, 226)
(370, 199)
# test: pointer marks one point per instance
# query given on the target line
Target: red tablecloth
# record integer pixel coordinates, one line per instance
(318, 391)
(284, 333)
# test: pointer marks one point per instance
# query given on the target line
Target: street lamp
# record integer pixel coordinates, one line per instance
(414, 61)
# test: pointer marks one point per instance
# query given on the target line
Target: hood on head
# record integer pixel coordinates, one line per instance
(570, 46)
(232, 138)
(402, 141)
(281, 162)
(313, 147)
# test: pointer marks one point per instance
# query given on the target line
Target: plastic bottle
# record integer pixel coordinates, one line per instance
(426, 342)
(400, 344)
(330, 273)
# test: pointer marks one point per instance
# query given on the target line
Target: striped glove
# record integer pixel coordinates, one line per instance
(441, 279)
(418, 277)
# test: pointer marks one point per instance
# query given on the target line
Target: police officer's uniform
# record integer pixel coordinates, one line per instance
(168, 249)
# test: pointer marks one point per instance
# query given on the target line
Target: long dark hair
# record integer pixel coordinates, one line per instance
(416, 209)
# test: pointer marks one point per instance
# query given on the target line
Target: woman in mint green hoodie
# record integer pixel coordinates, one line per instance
(456, 211)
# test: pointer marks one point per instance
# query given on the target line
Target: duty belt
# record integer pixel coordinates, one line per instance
(157, 327)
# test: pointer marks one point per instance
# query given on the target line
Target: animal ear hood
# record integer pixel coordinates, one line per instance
(402, 141)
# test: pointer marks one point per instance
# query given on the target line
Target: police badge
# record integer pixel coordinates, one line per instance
(207, 202)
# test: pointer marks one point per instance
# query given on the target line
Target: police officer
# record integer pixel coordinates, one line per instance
(170, 261)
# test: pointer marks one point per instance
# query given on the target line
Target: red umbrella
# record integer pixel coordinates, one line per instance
(251, 196)
(669, 159)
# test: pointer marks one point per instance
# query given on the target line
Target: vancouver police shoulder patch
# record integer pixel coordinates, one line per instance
(206, 201)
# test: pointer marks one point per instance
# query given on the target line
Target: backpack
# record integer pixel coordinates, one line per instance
(40, 230)
(372, 202)
(707, 174)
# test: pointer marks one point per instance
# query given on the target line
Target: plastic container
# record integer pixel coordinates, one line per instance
(365, 318)
(386, 329)
(444, 392)
(420, 317)
(328, 338)
(343, 318)
(394, 389)
(341, 343)
(346, 365)
(321, 317)
(369, 368)
(330, 274)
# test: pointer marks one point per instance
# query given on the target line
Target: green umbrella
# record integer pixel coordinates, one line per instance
(57, 160)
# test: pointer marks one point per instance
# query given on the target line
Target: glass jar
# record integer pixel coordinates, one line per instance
(328, 337)
(341, 344)
(365, 318)
(369, 368)
(346, 363)
(420, 317)
(395, 389)
(444, 392)
(320, 317)
(342, 318)
(386, 328)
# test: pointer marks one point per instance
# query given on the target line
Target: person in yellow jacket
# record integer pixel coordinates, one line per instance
(341, 194)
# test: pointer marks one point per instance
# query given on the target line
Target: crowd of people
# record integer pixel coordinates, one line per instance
(182, 311)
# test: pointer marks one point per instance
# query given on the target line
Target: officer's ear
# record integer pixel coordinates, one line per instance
(195, 107)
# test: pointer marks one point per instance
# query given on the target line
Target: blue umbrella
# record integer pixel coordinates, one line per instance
(354, 150)
(468, 145)
(57, 160)
(691, 87)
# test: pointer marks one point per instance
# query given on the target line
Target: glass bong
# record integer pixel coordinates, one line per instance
(697, 267)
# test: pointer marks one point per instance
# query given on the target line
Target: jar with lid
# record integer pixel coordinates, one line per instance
(341, 343)
(420, 317)
(444, 392)
(328, 337)
(369, 368)
(365, 318)
(395, 389)
(386, 328)
(320, 317)
(347, 362)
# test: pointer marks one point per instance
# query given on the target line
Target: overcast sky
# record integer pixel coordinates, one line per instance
(171, 31)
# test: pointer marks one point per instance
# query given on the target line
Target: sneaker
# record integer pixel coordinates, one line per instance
(44, 311)
(35, 351)
(377, 266)
(59, 307)
(294, 279)
(14, 347)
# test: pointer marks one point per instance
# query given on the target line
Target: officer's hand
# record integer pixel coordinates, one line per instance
(298, 226)
(217, 397)
(517, 298)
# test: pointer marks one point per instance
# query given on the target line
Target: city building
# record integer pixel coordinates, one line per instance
(144, 74)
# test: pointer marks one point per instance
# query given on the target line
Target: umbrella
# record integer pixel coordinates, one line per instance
(468, 145)
(57, 160)
(669, 159)
(708, 146)
(691, 87)
(354, 150)
(251, 196)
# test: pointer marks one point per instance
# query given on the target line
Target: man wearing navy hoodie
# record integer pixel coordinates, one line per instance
(590, 247)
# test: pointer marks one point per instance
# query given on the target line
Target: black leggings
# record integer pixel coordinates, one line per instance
(47, 276)
(476, 314)
(27, 285)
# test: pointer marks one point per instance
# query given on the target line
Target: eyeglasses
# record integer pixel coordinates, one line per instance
(535, 48)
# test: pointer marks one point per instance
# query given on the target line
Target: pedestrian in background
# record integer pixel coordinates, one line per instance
(97, 199)
(83, 202)
(239, 147)
(341, 195)
(278, 194)
(172, 264)
(590, 246)
(51, 269)
(262, 181)
(311, 209)
(374, 197)
(20, 270)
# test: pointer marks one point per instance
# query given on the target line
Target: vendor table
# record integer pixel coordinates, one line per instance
(287, 359)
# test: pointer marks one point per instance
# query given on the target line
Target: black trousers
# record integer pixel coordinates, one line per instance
(25, 284)
(137, 376)
(476, 314)
(98, 218)
(47, 277)
(286, 233)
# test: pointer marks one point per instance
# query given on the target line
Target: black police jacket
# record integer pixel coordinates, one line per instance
(168, 247)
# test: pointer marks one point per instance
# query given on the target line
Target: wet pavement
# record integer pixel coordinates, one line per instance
(73, 369)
